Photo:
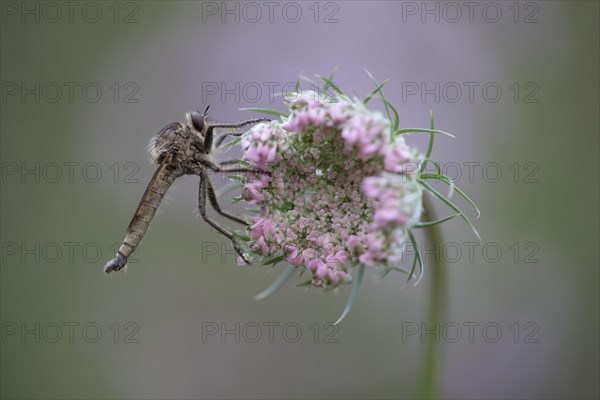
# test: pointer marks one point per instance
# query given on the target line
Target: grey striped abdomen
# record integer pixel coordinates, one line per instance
(161, 181)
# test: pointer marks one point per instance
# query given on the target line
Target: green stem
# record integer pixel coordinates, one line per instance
(435, 306)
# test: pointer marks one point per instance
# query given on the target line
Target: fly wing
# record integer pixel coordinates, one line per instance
(158, 144)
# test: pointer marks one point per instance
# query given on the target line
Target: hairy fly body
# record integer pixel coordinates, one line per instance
(182, 149)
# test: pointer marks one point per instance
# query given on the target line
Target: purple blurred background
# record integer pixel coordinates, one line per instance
(154, 61)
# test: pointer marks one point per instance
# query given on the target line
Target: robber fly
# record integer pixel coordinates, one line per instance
(182, 149)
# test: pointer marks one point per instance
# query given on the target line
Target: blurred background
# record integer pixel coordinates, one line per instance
(85, 86)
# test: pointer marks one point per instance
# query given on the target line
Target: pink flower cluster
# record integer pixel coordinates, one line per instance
(341, 191)
(262, 145)
(396, 205)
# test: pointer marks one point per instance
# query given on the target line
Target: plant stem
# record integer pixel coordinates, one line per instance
(435, 306)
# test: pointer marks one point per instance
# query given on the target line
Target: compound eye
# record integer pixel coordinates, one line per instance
(198, 121)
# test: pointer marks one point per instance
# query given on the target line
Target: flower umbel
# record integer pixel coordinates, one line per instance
(344, 189)
(341, 191)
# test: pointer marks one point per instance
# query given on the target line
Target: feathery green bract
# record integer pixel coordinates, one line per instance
(419, 130)
(388, 106)
(283, 278)
(436, 222)
(451, 205)
(390, 269)
(430, 144)
(273, 260)
(436, 164)
(330, 83)
(417, 258)
(450, 183)
(374, 92)
(353, 295)
(240, 236)
(269, 111)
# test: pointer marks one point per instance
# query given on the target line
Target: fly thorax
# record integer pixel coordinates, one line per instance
(176, 143)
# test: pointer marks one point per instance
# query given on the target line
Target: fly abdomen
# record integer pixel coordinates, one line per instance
(158, 186)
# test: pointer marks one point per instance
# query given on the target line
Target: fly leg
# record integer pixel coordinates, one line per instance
(236, 125)
(219, 168)
(212, 198)
(203, 190)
